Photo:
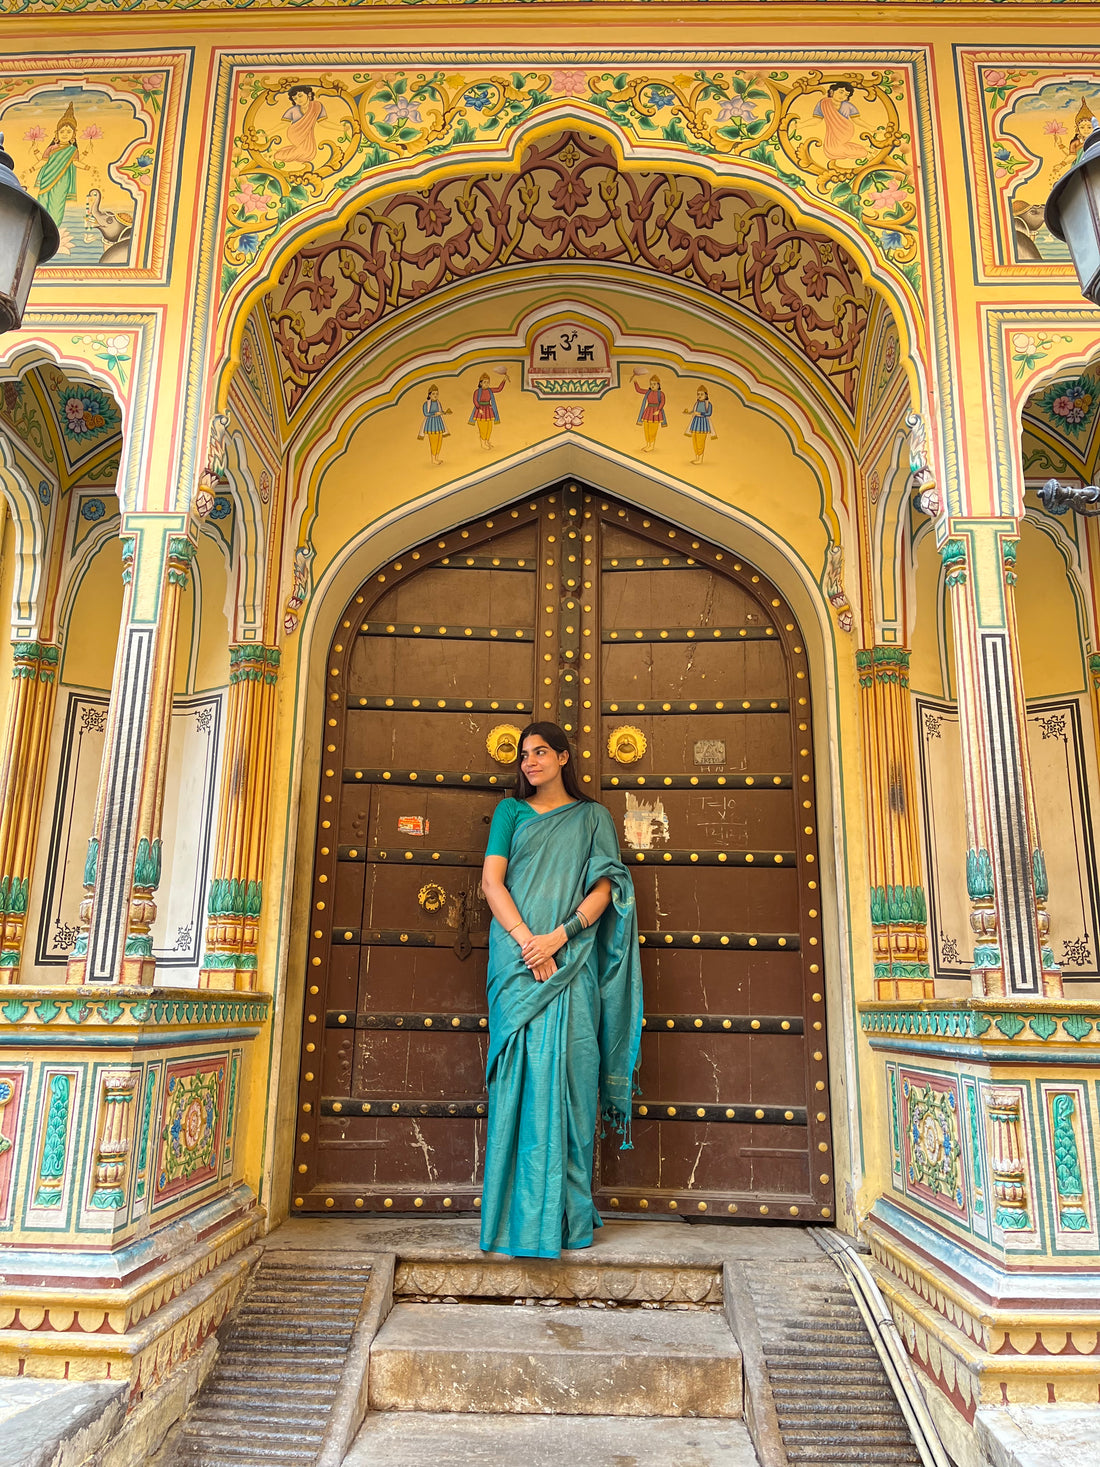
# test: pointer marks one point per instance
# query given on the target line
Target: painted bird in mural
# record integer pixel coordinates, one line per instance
(116, 229)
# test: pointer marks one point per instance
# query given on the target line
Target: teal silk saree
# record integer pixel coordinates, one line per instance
(563, 1051)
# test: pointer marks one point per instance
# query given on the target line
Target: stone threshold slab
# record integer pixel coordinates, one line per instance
(410, 1439)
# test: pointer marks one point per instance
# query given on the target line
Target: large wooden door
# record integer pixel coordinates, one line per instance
(682, 676)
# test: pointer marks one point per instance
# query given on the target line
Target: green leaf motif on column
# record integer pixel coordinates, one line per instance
(91, 861)
(1039, 871)
(253, 901)
(13, 895)
(979, 875)
(147, 864)
(898, 904)
(895, 1126)
(51, 1171)
(954, 562)
(1012, 1219)
(139, 945)
(987, 955)
(1067, 1164)
(1009, 1025)
(1042, 1025)
(1076, 1026)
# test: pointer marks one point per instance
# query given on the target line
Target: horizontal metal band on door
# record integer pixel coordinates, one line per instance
(654, 707)
(439, 705)
(654, 1110)
(455, 779)
(688, 634)
(652, 1023)
(705, 941)
(762, 859)
(698, 781)
(457, 633)
(652, 562)
(489, 562)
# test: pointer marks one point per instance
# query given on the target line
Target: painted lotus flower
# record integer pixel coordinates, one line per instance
(402, 110)
(571, 82)
(568, 417)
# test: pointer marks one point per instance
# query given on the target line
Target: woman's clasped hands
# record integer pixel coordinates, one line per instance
(538, 953)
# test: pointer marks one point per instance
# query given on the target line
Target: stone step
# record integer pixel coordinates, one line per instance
(411, 1439)
(496, 1358)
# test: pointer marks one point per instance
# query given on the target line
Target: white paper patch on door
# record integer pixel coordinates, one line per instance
(644, 823)
(412, 825)
(710, 751)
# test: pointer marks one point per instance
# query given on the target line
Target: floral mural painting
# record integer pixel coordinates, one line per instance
(299, 140)
(95, 147)
(1028, 115)
(1070, 407)
(191, 1127)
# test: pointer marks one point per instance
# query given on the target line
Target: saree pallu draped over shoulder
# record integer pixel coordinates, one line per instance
(563, 1051)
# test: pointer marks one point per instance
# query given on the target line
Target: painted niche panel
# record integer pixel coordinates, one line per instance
(97, 144)
(1063, 776)
(13, 1084)
(1027, 116)
(193, 1122)
(932, 1157)
(186, 831)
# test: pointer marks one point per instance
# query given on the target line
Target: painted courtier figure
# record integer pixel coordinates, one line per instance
(433, 428)
(303, 115)
(651, 414)
(55, 184)
(836, 109)
(699, 429)
(485, 412)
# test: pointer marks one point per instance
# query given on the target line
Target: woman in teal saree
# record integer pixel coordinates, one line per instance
(565, 1003)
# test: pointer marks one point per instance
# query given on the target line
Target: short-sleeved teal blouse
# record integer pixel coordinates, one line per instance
(507, 815)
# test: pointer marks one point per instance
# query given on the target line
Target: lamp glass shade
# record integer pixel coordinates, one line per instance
(1080, 205)
(1073, 215)
(20, 246)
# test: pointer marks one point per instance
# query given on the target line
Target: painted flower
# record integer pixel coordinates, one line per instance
(660, 98)
(478, 98)
(1054, 127)
(995, 78)
(86, 412)
(891, 239)
(45, 493)
(573, 82)
(570, 194)
(816, 281)
(152, 81)
(265, 486)
(737, 109)
(93, 509)
(1072, 406)
(402, 110)
(888, 197)
(433, 216)
(252, 200)
(223, 507)
(91, 133)
(13, 391)
(65, 246)
(248, 244)
(568, 417)
(34, 134)
(705, 209)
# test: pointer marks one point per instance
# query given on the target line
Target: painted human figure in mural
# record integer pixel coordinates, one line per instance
(836, 109)
(433, 427)
(55, 183)
(699, 429)
(485, 412)
(303, 115)
(1084, 124)
(651, 414)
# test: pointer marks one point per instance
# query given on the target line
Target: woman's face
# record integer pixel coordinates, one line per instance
(66, 134)
(541, 764)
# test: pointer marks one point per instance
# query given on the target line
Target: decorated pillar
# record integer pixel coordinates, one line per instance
(1005, 867)
(122, 870)
(899, 914)
(22, 783)
(236, 886)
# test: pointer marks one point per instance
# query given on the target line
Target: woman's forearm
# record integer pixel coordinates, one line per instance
(505, 910)
(596, 902)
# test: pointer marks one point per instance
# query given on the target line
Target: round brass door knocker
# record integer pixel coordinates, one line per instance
(626, 744)
(431, 897)
(503, 743)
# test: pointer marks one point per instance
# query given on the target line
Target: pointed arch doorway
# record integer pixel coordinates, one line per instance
(681, 674)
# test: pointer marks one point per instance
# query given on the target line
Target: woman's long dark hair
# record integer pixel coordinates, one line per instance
(556, 738)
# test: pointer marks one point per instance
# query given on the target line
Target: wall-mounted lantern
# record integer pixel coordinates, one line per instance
(28, 238)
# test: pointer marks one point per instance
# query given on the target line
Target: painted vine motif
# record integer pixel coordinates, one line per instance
(570, 202)
(300, 140)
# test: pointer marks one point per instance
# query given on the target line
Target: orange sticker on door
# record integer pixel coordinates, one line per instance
(412, 825)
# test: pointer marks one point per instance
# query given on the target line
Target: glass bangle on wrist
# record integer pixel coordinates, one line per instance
(575, 925)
